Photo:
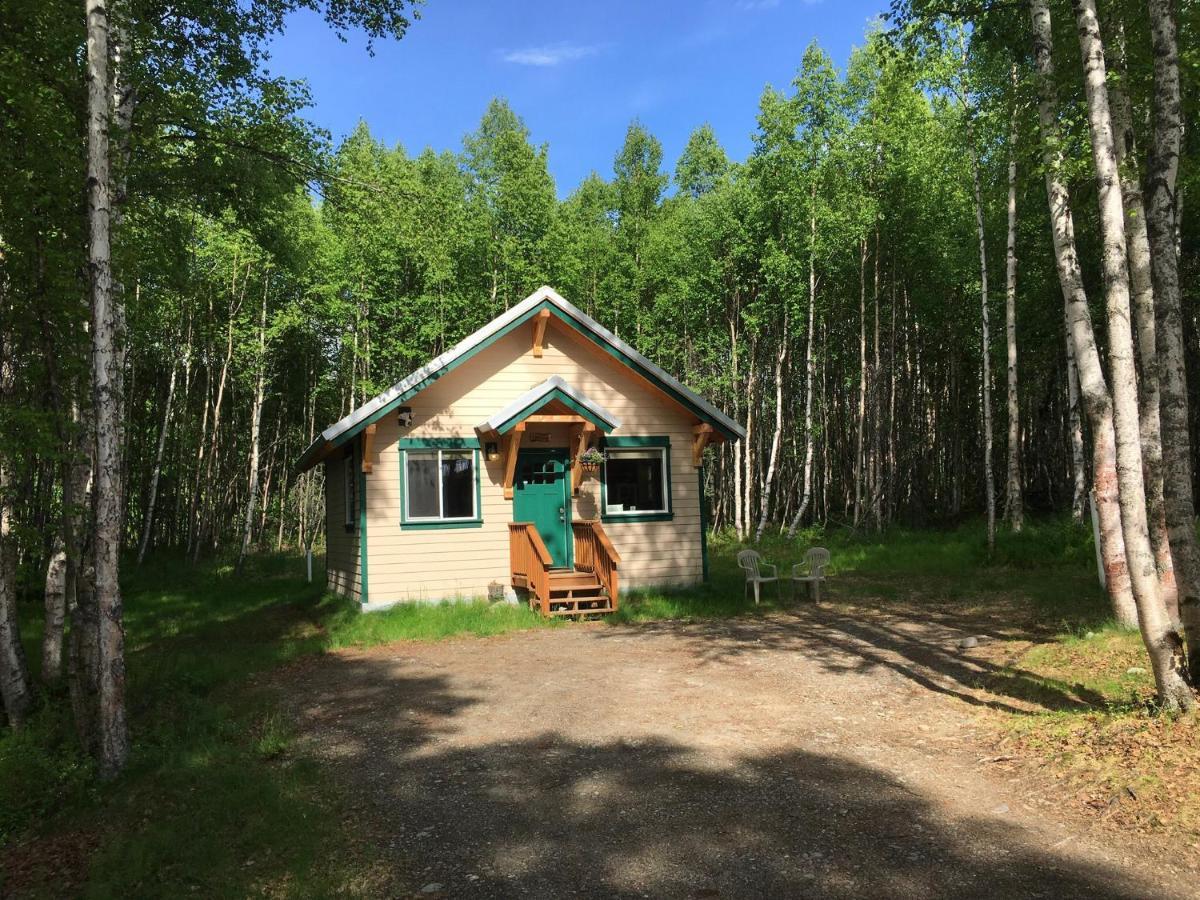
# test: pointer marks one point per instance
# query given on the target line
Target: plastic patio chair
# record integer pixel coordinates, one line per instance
(751, 563)
(811, 572)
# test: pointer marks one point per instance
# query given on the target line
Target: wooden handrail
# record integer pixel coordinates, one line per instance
(595, 553)
(530, 561)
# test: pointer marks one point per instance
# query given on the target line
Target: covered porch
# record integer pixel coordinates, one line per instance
(565, 566)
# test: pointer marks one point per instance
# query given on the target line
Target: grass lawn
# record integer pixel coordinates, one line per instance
(217, 802)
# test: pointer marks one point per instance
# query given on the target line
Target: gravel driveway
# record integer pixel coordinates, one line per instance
(816, 754)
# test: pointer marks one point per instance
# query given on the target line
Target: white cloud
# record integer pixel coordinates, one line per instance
(550, 55)
(756, 5)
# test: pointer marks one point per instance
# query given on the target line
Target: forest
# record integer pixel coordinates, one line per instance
(954, 279)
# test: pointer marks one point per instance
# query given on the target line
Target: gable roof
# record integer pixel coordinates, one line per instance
(553, 388)
(543, 298)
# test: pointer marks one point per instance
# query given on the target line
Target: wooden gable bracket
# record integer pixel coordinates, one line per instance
(701, 436)
(583, 436)
(539, 331)
(510, 458)
(368, 444)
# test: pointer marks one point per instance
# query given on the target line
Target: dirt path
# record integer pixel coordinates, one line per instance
(819, 754)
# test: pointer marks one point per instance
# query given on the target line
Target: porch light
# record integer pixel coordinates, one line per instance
(492, 450)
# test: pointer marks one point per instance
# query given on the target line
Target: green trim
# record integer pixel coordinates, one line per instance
(446, 443)
(640, 369)
(362, 535)
(629, 442)
(438, 524)
(508, 329)
(450, 367)
(703, 522)
(561, 396)
(637, 441)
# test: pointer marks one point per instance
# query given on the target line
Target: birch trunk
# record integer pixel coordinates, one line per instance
(1137, 246)
(148, 526)
(56, 613)
(739, 523)
(988, 475)
(1163, 219)
(862, 381)
(1075, 427)
(255, 428)
(107, 375)
(1015, 507)
(1092, 388)
(809, 443)
(769, 480)
(1163, 642)
(15, 689)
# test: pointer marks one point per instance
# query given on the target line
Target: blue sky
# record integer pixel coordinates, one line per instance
(577, 72)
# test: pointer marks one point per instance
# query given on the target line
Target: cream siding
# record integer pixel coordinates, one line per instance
(342, 557)
(409, 564)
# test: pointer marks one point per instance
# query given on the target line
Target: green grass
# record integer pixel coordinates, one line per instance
(218, 801)
(429, 622)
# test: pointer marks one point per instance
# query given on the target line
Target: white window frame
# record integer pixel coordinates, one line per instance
(612, 512)
(410, 519)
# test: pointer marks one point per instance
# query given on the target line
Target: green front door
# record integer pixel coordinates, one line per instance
(541, 495)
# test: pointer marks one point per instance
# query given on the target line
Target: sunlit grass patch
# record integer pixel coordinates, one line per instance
(347, 627)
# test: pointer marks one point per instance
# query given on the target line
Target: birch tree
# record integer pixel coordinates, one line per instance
(1014, 506)
(108, 401)
(1163, 642)
(1093, 389)
(1162, 219)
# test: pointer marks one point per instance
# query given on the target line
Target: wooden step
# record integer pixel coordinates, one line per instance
(581, 590)
(568, 578)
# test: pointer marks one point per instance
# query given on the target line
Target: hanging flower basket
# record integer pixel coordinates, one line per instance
(591, 460)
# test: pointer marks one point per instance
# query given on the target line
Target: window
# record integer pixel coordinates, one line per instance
(440, 485)
(350, 491)
(637, 479)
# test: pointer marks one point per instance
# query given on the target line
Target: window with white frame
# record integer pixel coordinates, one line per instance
(636, 481)
(440, 486)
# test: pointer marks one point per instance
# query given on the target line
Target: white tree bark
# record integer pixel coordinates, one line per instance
(1014, 505)
(255, 426)
(1163, 219)
(777, 438)
(1075, 429)
(1092, 388)
(56, 614)
(1163, 642)
(809, 443)
(148, 526)
(986, 390)
(862, 381)
(1137, 246)
(107, 377)
(15, 689)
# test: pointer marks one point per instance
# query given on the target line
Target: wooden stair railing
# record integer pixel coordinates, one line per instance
(595, 553)
(530, 562)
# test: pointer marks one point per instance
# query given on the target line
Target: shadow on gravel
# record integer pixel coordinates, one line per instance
(544, 816)
(925, 652)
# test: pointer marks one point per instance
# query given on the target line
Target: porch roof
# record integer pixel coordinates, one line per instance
(553, 389)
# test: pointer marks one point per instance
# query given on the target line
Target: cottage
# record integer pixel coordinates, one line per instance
(471, 472)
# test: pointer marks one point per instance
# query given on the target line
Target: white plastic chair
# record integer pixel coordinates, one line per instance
(751, 563)
(811, 572)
